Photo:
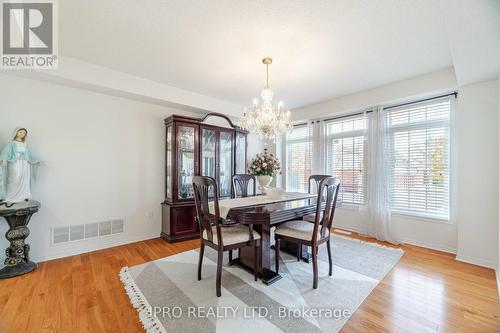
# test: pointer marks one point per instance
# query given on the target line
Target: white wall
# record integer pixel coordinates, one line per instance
(423, 232)
(80, 74)
(473, 232)
(104, 160)
(478, 150)
(498, 239)
(420, 86)
(255, 146)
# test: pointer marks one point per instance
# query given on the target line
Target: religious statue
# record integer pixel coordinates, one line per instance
(16, 169)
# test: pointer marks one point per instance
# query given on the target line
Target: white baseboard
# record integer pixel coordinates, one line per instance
(432, 246)
(349, 228)
(498, 281)
(67, 250)
(342, 231)
(442, 248)
(476, 261)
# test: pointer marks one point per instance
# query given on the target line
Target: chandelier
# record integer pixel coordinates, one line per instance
(266, 119)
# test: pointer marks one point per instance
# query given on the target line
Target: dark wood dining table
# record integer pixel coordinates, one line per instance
(264, 217)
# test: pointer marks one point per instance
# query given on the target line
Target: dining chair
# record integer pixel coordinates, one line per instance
(216, 235)
(317, 179)
(241, 182)
(309, 234)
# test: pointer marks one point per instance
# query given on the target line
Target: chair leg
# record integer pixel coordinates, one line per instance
(277, 253)
(200, 261)
(315, 266)
(299, 249)
(329, 258)
(256, 260)
(230, 257)
(219, 273)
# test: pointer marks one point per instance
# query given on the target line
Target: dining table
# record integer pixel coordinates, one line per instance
(265, 212)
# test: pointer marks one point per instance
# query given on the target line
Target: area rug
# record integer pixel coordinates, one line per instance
(169, 298)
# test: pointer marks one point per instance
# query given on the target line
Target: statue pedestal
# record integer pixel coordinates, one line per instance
(18, 216)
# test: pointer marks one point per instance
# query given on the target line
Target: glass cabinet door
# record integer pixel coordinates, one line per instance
(208, 154)
(186, 161)
(168, 174)
(241, 148)
(225, 163)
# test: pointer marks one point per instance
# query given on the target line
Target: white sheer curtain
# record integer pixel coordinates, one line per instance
(319, 149)
(379, 179)
(298, 157)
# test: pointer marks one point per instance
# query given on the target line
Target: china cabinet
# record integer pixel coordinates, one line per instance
(208, 146)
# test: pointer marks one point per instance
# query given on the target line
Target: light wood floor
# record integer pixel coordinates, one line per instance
(427, 291)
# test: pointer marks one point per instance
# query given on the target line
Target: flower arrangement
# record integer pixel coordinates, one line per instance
(265, 164)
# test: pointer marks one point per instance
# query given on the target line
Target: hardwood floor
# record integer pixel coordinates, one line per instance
(427, 291)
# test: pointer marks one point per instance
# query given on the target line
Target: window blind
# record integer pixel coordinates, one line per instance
(298, 158)
(345, 147)
(419, 141)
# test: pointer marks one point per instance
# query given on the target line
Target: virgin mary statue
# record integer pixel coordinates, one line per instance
(16, 166)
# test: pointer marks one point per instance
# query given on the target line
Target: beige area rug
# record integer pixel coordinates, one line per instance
(169, 298)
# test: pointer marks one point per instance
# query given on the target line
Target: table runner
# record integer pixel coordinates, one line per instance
(226, 205)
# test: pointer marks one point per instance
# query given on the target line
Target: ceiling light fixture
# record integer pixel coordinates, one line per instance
(266, 119)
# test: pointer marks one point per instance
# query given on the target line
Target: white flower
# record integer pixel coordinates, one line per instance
(264, 164)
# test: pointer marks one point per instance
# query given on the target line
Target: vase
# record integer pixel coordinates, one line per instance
(264, 182)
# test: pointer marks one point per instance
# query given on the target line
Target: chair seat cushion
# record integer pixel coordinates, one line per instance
(297, 229)
(232, 235)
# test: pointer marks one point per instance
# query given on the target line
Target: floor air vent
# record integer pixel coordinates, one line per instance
(87, 231)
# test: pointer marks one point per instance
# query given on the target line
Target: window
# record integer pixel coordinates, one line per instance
(419, 141)
(298, 158)
(345, 156)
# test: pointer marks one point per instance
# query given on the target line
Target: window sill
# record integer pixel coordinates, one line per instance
(415, 216)
(423, 217)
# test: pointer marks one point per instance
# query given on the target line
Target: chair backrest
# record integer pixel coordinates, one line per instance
(201, 188)
(329, 190)
(241, 182)
(317, 179)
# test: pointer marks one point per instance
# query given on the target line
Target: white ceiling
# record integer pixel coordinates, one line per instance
(321, 49)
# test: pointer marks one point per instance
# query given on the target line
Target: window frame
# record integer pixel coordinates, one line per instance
(328, 142)
(423, 125)
(319, 141)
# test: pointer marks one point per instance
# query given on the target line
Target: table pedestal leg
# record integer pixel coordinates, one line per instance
(246, 257)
